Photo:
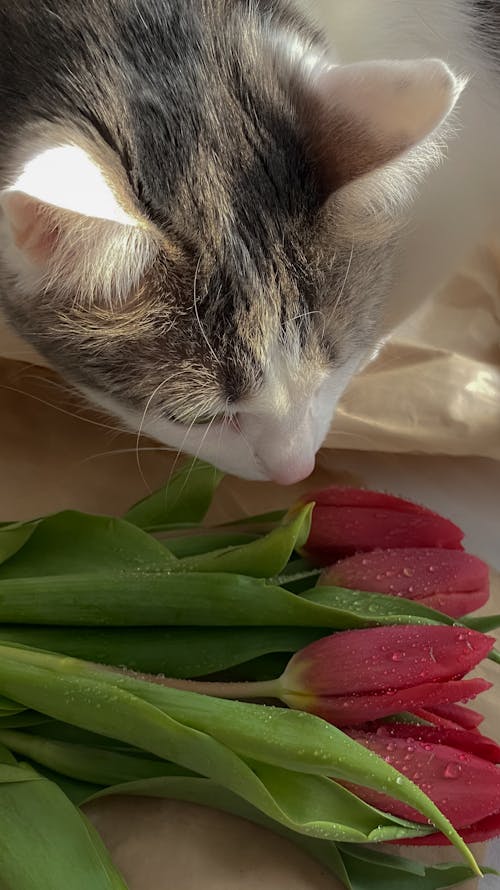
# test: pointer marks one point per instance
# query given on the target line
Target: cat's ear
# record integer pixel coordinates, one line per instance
(363, 116)
(64, 228)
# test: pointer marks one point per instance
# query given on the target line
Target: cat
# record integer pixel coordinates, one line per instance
(213, 210)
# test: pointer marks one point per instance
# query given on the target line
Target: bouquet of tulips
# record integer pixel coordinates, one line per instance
(306, 671)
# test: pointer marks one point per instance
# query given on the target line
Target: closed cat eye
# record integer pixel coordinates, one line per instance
(210, 418)
(200, 419)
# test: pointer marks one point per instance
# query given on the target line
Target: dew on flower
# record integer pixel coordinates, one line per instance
(452, 771)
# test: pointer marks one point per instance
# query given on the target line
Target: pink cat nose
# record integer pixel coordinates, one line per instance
(292, 470)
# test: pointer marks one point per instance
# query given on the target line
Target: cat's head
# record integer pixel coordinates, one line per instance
(214, 271)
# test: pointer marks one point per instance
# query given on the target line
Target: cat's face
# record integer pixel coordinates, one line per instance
(218, 289)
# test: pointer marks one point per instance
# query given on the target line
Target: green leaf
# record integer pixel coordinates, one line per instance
(277, 760)
(263, 558)
(13, 536)
(206, 793)
(194, 544)
(9, 708)
(145, 598)
(172, 651)
(183, 501)
(21, 720)
(375, 608)
(483, 623)
(45, 842)
(99, 766)
(85, 545)
(262, 519)
(368, 875)
(78, 792)
(379, 857)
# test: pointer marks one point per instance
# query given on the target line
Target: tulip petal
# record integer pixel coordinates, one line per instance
(466, 788)
(481, 831)
(358, 709)
(451, 581)
(452, 715)
(470, 742)
(337, 496)
(347, 521)
(375, 659)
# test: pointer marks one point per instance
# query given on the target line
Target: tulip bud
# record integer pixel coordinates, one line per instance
(356, 676)
(451, 581)
(350, 520)
(452, 716)
(473, 742)
(452, 770)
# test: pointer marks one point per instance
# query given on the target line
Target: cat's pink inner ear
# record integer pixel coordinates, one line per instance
(365, 115)
(33, 227)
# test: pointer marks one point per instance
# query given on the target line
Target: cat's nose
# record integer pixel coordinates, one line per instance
(284, 446)
(292, 470)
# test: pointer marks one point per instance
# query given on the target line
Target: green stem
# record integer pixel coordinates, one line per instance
(239, 691)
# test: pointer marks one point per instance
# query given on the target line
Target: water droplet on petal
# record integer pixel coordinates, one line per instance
(397, 656)
(452, 771)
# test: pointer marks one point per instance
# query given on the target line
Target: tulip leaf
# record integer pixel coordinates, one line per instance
(77, 792)
(145, 598)
(194, 545)
(207, 793)
(365, 874)
(483, 623)
(9, 708)
(99, 766)
(263, 519)
(379, 857)
(277, 760)
(376, 608)
(21, 720)
(85, 545)
(172, 651)
(45, 841)
(182, 502)
(13, 536)
(263, 558)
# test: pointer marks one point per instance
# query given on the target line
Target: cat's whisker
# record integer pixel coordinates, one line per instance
(306, 314)
(247, 443)
(197, 314)
(141, 427)
(195, 456)
(119, 451)
(58, 408)
(339, 296)
(200, 446)
(199, 413)
(359, 436)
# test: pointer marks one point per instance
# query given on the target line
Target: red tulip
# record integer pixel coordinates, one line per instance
(451, 581)
(350, 520)
(356, 676)
(473, 742)
(452, 716)
(454, 769)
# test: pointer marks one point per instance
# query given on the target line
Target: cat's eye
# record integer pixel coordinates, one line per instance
(208, 418)
(200, 419)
